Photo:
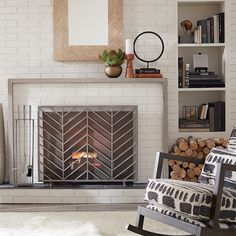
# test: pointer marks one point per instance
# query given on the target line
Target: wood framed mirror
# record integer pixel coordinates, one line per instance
(84, 28)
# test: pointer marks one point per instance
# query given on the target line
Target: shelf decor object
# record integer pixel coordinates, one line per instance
(113, 61)
(79, 36)
(129, 56)
(159, 45)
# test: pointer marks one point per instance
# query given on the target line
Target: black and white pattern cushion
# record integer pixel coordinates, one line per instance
(182, 217)
(194, 200)
(209, 170)
(232, 141)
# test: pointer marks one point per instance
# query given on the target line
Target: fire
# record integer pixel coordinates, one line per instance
(79, 155)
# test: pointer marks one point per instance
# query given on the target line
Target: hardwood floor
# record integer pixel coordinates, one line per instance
(66, 207)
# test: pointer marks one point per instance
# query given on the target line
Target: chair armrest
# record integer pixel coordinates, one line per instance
(218, 190)
(161, 156)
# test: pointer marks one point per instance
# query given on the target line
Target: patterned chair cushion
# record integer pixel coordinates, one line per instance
(183, 217)
(209, 170)
(193, 200)
(232, 141)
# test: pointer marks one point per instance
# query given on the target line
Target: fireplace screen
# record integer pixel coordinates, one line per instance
(87, 143)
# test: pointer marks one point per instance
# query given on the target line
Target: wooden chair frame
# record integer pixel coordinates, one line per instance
(212, 226)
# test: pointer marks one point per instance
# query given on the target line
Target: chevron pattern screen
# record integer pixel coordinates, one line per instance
(87, 143)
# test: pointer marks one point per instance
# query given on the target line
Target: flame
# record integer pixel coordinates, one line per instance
(79, 155)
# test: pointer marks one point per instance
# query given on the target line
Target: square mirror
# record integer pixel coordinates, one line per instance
(84, 28)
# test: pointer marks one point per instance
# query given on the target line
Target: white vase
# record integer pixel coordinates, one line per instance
(2, 147)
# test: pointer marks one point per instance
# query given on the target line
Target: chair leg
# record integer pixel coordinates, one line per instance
(140, 219)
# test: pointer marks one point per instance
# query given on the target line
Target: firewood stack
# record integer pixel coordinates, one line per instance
(196, 148)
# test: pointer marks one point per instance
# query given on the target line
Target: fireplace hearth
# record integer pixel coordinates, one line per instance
(93, 144)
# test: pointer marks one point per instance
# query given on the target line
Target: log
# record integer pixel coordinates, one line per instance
(182, 144)
(180, 139)
(176, 150)
(186, 178)
(197, 171)
(192, 143)
(210, 143)
(199, 149)
(194, 179)
(183, 154)
(182, 173)
(200, 155)
(200, 166)
(176, 168)
(179, 162)
(174, 175)
(192, 165)
(225, 143)
(201, 142)
(171, 162)
(219, 140)
(190, 173)
(194, 154)
(185, 165)
(206, 150)
(189, 152)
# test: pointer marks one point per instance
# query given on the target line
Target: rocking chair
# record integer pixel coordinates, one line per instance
(207, 208)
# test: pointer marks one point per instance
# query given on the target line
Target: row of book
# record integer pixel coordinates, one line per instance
(211, 118)
(197, 79)
(210, 30)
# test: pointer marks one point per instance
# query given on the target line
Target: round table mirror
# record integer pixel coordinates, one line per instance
(148, 47)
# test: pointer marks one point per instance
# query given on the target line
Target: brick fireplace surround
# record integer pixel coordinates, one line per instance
(150, 95)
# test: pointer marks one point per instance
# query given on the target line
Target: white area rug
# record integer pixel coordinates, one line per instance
(74, 224)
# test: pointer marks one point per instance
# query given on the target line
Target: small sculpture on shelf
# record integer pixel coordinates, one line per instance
(187, 37)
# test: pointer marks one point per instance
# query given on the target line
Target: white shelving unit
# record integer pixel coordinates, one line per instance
(194, 11)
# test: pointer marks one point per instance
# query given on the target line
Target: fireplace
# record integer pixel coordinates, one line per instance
(87, 144)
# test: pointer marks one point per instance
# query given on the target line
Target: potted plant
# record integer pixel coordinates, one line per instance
(113, 61)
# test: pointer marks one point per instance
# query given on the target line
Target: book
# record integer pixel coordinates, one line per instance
(211, 29)
(221, 27)
(204, 77)
(206, 111)
(195, 73)
(183, 123)
(203, 30)
(217, 116)
(216, 28)
(192, 121)
(148, 75)
(180, 72)
(222, 116)
(208, 30)
(194, 129)
(206, 83)
(211, 116)
(147, 71)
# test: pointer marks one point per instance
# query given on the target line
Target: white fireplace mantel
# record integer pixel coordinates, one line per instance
(142, 92)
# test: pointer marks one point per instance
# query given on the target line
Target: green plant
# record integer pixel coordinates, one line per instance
(112, 57)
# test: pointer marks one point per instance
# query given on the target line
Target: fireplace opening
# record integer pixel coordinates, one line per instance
(87, 144)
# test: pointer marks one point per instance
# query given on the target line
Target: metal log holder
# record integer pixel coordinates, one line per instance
(24, 146)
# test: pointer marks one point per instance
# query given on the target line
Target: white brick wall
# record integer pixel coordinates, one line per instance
(26, 46)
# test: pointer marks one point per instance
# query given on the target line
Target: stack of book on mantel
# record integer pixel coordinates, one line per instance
(195, 125)
(148, 73)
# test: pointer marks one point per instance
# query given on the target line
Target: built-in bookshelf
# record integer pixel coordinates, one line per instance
(199, 92)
